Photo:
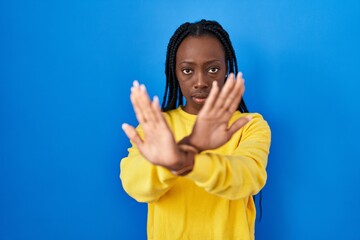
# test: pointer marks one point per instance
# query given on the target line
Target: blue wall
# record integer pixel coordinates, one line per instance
(65, 72)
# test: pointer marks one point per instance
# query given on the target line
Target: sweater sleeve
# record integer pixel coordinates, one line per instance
(240, 174)
(141, 179)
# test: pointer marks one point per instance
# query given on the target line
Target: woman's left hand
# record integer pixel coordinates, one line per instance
(212, 128)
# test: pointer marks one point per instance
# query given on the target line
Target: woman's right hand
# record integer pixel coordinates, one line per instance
(158, 145)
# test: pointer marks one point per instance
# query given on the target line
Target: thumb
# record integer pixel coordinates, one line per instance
(238, 124)
(132, 134)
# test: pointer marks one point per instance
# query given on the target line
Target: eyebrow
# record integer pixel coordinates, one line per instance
(207, 62)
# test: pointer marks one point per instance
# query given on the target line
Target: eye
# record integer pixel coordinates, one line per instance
(187, 71)
(213, 70)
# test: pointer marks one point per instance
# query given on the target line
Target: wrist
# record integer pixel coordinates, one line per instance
(186, 159)
(189, 141)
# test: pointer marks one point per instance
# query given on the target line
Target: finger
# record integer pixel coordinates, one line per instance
(240, 81)
(134, 97)
(235, 104)
(156, 108)
(213, 95)
(160, 119)
(145, 107)
(132, 134)
(232, 102)
(238, 124)
(229, 84)
(141, 104)
(234, 95)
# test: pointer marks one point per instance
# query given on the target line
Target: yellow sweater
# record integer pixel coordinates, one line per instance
(214, 201)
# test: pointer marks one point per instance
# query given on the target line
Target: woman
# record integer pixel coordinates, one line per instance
(197, 164)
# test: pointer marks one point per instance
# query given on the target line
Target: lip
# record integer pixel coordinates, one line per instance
(199, 100)
(200, 97)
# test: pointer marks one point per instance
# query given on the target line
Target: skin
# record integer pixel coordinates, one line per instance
(199, 62)
(200, 68)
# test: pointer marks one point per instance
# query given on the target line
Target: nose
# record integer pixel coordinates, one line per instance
(201, 81)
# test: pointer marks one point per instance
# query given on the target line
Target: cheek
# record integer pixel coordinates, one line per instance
(221, 83)
(221, 77)
(185, 88)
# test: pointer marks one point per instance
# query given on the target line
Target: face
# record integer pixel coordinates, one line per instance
(199, 62)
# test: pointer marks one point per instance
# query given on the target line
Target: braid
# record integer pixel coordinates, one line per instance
(173, 96)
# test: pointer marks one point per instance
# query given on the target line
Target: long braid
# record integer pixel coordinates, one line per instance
(173, 96)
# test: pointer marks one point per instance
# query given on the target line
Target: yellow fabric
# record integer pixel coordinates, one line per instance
(214, 201)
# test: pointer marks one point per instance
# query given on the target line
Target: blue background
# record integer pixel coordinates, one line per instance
(65, 72)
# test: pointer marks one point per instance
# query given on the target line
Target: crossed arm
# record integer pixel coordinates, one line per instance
(210, 131)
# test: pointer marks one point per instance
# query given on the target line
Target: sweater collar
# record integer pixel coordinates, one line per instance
(188, 116)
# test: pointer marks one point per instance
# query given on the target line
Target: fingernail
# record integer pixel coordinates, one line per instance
(135, 83)
(142, 87)
(248, 117)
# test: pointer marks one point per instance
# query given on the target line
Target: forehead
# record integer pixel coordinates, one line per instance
(200, 48)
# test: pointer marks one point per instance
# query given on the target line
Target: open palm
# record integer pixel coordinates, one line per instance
(211, 129)
(158, 145)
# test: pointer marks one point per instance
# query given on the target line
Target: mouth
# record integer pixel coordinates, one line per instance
(200, 98)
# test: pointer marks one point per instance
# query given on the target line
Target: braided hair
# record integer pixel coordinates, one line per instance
(173, 96)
